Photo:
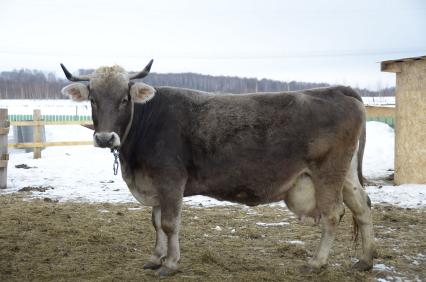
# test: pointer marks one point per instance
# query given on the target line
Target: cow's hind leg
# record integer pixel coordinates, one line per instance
(357, 200)
(328, 177)
(160, 250)
(329, 225)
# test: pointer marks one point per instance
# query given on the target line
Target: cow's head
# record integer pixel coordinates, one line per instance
(111, 93)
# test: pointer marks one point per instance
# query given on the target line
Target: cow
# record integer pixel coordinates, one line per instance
(302, 147)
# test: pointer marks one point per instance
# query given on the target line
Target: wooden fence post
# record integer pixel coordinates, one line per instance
(37, 133)
(4, 156)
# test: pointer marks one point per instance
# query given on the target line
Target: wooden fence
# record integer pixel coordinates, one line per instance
(382, 114)
(37, 120)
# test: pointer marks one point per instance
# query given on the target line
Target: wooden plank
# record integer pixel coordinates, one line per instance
(4, 131)
(374, 111)
(49, 144)
(37, 133)
(32, 123)
(3, 149)
(391, 67)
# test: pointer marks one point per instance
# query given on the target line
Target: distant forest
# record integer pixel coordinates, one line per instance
(35, 84)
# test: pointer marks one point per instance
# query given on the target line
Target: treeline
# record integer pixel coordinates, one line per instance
(35, 84)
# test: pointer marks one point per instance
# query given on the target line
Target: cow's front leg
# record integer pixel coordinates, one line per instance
(160, 250)
(170, 221)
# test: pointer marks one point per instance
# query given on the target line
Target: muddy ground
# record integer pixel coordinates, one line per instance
(46, 241)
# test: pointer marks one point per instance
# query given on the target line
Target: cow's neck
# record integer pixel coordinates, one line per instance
(132, 150)
(129, 125)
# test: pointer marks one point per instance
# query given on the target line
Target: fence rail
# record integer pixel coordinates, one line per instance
(15, 118)
(42, 122)
(48, 144)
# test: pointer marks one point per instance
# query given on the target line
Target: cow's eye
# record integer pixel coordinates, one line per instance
(92, 101)
(124, 101)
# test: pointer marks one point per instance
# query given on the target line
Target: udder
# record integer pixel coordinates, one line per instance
(300, 199)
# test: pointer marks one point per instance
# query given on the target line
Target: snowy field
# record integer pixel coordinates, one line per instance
(84, 173)
(47, 107)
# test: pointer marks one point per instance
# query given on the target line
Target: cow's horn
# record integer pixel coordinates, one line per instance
(143, 73)
(70, 77)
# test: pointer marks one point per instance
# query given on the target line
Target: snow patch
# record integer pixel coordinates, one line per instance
(296, 242)
(264, 224)
(406, 195)
(382, 267)
(379, 150)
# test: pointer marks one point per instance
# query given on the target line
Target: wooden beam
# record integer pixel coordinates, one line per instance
(49, 144)
(37, 133)
(4, 126)
(391, 66)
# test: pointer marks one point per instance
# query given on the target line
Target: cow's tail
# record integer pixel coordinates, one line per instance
(360, 157)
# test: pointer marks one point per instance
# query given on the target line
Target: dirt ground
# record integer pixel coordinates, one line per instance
(46, 241)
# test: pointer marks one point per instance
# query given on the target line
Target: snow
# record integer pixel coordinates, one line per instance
(296, 242)
(47, 107)
(383, 267)
(379, 150)
(264, 224)
(84, 173)
(406, 195)
(385, 100)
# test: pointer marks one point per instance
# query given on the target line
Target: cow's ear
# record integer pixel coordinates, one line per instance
(141, 92)
(76, 91)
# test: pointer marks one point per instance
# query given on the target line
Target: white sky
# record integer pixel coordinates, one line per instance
(324, 41)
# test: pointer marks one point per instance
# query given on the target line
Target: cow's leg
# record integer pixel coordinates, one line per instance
(357, 200)
(160, 250)
(170, 221)
(329, 225)
(328, 177)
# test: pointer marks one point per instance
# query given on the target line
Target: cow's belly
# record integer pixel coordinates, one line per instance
(142, 189)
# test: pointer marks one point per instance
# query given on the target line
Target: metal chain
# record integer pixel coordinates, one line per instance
(116, 163)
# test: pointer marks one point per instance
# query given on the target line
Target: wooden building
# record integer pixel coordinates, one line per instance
(410, 122)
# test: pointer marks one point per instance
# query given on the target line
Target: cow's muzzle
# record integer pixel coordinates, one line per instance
(106, 139)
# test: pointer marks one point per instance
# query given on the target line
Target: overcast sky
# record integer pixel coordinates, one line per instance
(330, 41)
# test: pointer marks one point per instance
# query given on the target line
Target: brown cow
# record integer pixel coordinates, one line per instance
(302, 147)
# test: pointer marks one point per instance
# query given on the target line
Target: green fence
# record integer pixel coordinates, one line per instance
(50, 117)
(388, 120)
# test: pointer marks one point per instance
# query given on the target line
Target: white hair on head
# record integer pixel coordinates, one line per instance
(104, 74)
(107, 71)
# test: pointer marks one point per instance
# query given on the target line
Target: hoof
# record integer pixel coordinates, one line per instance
(165, 271)
(308, 269)
(362, 266)
(151, 265)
